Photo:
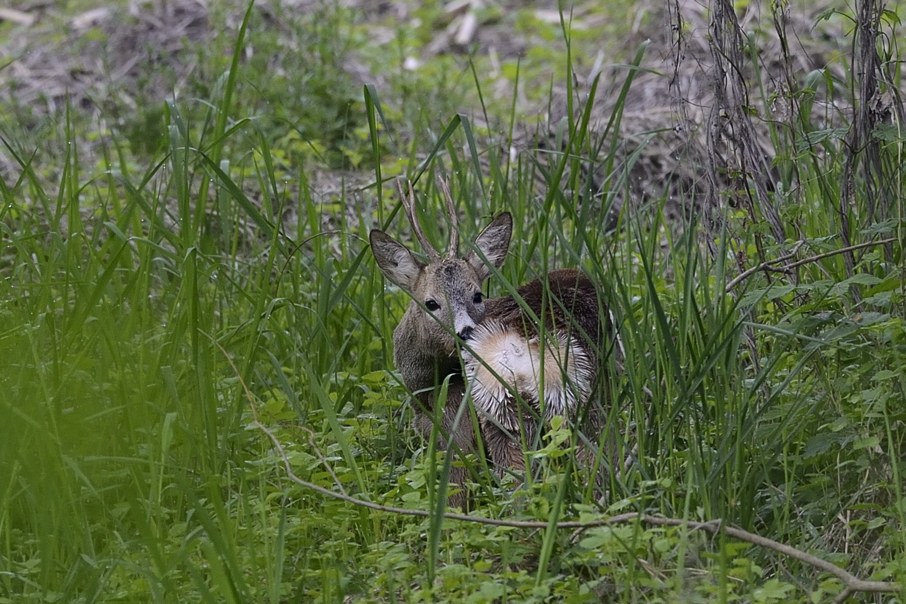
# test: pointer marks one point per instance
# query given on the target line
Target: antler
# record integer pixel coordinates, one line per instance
(453, 250)
(409, 207)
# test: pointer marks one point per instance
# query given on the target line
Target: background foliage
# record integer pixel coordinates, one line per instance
(189, 306)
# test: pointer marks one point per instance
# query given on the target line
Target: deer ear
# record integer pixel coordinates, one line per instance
(493, 244)
(397, 263)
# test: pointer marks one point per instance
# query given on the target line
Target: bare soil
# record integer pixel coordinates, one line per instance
(117, 55)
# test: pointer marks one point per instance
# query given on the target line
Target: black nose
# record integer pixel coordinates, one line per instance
(466, 333)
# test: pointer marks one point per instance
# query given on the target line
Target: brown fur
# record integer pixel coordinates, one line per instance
(566, 303)
(425, 349)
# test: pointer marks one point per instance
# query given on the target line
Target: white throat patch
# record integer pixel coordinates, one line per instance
(503, 364)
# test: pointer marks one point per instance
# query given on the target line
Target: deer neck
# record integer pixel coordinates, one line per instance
(423, 365)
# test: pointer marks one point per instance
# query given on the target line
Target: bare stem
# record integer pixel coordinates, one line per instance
(767, 265)
(850, 582)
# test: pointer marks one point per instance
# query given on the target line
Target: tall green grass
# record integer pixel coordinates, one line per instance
(156, 313)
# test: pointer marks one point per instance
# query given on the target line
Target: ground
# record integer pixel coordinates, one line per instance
(196, 346)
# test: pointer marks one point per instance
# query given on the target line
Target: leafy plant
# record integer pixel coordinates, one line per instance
(195, 356)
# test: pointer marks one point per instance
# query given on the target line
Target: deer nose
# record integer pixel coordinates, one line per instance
(466, 332)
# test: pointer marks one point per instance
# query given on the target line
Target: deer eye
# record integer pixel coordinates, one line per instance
(477, 298)
(432, 305)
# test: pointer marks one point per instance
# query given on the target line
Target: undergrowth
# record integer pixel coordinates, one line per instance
(182, 321)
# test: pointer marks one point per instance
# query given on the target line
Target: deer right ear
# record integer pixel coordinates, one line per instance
(493, 243)
(397, 263)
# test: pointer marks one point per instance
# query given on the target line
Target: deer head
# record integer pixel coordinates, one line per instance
(446, 289)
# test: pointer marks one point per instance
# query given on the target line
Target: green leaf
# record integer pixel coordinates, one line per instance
(862, 279)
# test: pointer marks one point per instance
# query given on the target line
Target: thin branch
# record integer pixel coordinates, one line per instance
(851, 582)
(751, 271)
(770, 263)
(842, 250)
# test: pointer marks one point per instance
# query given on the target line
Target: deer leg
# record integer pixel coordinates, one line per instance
(458, 439)
(504, 448)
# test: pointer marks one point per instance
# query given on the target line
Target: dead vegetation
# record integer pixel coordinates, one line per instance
(722, 100)
(104, 55)
(713, 90)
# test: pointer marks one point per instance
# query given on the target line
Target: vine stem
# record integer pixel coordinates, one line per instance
(768, 264)
(851, 583)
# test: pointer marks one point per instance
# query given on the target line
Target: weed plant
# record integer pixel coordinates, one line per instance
(171, 345)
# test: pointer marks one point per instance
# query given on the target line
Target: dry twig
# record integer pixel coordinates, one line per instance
(851, 583)
(767, 265)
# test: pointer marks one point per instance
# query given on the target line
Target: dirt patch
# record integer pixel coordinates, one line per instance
(102, 55)
(107, 59)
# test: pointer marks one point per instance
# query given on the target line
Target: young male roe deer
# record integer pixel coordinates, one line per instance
(525, 358)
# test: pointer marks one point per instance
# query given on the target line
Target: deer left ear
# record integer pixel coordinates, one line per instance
(492, 245)
(395, 260)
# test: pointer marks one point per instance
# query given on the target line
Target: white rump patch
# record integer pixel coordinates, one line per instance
(502, 361)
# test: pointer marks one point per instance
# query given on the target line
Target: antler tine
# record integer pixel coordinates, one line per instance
(453, 250)
(409, 207)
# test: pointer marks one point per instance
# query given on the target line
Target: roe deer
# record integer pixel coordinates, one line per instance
(519, 371)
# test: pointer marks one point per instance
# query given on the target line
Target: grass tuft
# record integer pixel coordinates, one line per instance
(165, 294)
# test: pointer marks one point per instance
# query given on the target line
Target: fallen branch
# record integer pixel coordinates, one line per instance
(751, 271)
(851, 583)
(767, 265)
(16, 16)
